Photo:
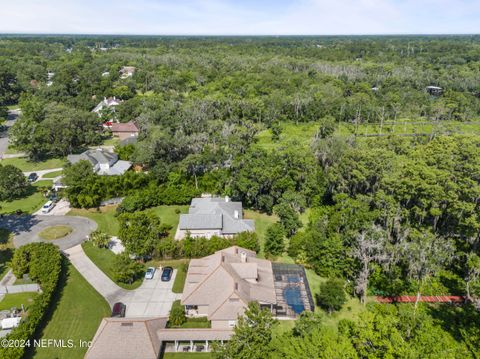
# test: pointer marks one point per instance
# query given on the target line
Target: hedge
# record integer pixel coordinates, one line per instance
(43, 262)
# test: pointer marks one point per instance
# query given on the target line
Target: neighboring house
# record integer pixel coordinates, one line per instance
(127, 71)
(126, 339)
(107, 103)
(124, 130)
(221, 285)
(103, 162)
(215, 216)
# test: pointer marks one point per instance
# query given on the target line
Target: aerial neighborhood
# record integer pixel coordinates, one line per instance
(239, 197)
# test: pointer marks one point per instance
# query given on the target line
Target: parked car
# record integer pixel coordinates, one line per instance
(32, 177)
(118, 310)
(47, 207)
(167, 274)
(150, 273)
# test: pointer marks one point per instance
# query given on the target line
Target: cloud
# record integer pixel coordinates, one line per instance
(231, 17)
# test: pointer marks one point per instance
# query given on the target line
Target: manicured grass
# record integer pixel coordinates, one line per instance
(43, 183)
(262, 221)
(103, 259)
(79, 310)
(29, 204)
(105, 218)
(27, 166)
(112, 141)
(283, 326)
(6, 250)
(16, 300)
(179, 282)
(52, 174)
(55, 232)
(187, 356)
(168, 215)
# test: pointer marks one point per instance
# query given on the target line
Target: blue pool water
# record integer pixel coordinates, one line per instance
(293, 298)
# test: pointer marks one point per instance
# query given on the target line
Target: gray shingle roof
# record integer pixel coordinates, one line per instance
(216, 213)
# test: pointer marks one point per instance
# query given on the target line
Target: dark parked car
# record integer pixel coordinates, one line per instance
(118, 310)
(167, 274)
(32, 177)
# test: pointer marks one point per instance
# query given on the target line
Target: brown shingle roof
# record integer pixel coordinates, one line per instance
(226, 283)
(121, 338)
(124, 127)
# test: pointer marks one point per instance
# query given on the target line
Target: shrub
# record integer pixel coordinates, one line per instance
(177, 315)
(127, 270)
(274, 244)
(100, 239)
(44, 264)
(332, 294)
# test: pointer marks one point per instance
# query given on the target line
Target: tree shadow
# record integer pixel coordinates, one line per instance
(56, 297)
(18, 223)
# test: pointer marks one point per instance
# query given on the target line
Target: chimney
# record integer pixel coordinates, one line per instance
(227, 199)
(243, 257)
(235, 214)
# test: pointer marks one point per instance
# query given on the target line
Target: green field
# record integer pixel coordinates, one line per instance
(76, 316)
(16, 300)
(52, 174)
(179, 282)
(105, 218)
(27, 166)
(303, 133)
(103, 259)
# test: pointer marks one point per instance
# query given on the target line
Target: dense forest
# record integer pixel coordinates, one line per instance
(393, 212)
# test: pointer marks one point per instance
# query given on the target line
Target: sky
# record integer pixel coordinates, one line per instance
(240, 17)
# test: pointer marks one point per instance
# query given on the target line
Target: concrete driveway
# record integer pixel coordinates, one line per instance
(61, 208)
(153, 298)
(26, 229)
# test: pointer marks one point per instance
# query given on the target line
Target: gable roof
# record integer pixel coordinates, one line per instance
(107, 102)
(130, 126)
(97, 156)
(227, 281)
(127, 339)
(216, 213)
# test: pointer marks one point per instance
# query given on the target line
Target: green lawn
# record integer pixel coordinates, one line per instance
(29, 204)
(103, 259)
(78, 312)
(168, 215)
(43, 183)
(52, 174)
(262, 221)
(302, 133)
(105, 218)
(55, 232)
(179, 282)
(187, 356)
(27, 166)
(16, 300)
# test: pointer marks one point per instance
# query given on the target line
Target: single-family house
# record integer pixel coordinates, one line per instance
(127, 71)
(107, 103)
(124, 130)
(213, 216)
(103, 162)
(221, 286)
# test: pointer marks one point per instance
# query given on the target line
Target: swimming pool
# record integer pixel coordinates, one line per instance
(293, 297)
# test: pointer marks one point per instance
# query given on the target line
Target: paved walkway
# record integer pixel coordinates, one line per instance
(153, 298)
(26, 229)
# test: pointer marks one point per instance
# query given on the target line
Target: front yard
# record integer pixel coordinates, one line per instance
(28, 166)
(78, 311)
(17, 299)
(30, 203)
(104, 259)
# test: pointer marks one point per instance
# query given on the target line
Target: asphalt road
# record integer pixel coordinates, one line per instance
(26, 229)
(12, 116)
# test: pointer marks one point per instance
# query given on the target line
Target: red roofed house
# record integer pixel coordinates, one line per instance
(124, 130)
